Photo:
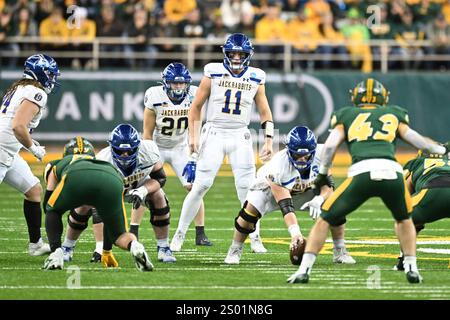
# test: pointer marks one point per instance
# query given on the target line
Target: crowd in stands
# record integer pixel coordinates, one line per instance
(310, 26)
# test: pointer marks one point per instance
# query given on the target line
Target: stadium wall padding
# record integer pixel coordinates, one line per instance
(92, 103)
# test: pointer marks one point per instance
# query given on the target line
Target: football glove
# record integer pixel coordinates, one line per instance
(314, 206)
(189, 171)
(108, 260)
(137, 196)
(321, 180)
(37, 150)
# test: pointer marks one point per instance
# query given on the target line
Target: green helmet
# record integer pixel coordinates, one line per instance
(78, 145)
(369, 91)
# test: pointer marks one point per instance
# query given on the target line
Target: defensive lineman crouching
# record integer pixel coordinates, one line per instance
(285, 182)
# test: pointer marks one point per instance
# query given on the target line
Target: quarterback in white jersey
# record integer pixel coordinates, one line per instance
(20, 113)
(140, 164)
(166, 121)
(230, 90)
(285, 182)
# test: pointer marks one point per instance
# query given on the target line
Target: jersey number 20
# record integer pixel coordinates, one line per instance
(168, 129)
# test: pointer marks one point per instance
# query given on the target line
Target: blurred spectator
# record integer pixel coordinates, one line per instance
(397, 9)
(438, 31)
(335, 44)
(217, 29)
(54, 27)
(27, 27)
(318, 8)
(165, 29)
(193, 27)
(44, 9)
(81, 29)
(271, 27)
(7, 30)
(424, 11)
(233, 10)
(446, 10)
(109, 26)
(177, 10)
(304, 35)
(405, 34)
(140, 31)
(358, 34)
(247, 25)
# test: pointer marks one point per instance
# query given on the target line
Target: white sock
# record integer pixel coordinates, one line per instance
(237, 244)
(163, 243)
(307, 263)
(255, 234)
(191, 204)
(69, 243)
(339, 243)
(410, 264)
(99, 247)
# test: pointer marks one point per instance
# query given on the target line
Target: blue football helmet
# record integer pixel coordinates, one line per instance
(43, 69)
(176, 73)
(124, 142)
(301, 142)
(237, 42)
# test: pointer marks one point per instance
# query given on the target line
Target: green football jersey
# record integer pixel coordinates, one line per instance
(371, 130)
(425, 169)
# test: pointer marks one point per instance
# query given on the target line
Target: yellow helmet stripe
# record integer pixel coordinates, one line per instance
(369, 89)
(80, 144)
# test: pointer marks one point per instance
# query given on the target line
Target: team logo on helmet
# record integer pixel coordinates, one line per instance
(369, 91)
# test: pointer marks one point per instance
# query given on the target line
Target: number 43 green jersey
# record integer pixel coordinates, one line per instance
(371, 130)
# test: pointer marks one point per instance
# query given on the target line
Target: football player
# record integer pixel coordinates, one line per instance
(230, 89)
(165, 122)
(140, 166)
(20, 113)
(428, 180)
(78, 181)
(370, 129)
(285, 182)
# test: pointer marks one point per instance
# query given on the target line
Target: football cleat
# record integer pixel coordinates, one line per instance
(298, 278)
(413, 277)
(177, 241)
(341, 256)
(96, 257)
(202, 240)
(55, 260)
(257, 246)
(141, 259)
(234, 255)
(165, 255)
(67, 253)
(39, 248)
(399, 266)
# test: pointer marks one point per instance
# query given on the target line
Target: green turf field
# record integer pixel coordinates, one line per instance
(201, 274)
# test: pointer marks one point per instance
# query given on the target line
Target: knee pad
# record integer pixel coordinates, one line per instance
(160, 212)
(247, 217)
(81, 219)
(95, 216)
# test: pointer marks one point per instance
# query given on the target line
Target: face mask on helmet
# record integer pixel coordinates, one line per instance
(237, 50)
(176, 81)
(124, 143)
(301, 147)
(301, 159)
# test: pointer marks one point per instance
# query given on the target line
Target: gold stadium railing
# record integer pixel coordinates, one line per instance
(192, 50)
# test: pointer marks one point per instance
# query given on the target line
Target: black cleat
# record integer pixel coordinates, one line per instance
(413, 277)
(399, 266)
(202, 240)
(96, 257)
(299, 278)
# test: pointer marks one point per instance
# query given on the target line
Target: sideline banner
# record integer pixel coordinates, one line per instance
(92, 103)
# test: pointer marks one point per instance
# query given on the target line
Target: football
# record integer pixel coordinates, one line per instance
(296, 251)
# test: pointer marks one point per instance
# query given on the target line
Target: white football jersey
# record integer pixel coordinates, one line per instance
(280, 171)
(171, 119)
(9, 106)
(232, 96)
(148, 156)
